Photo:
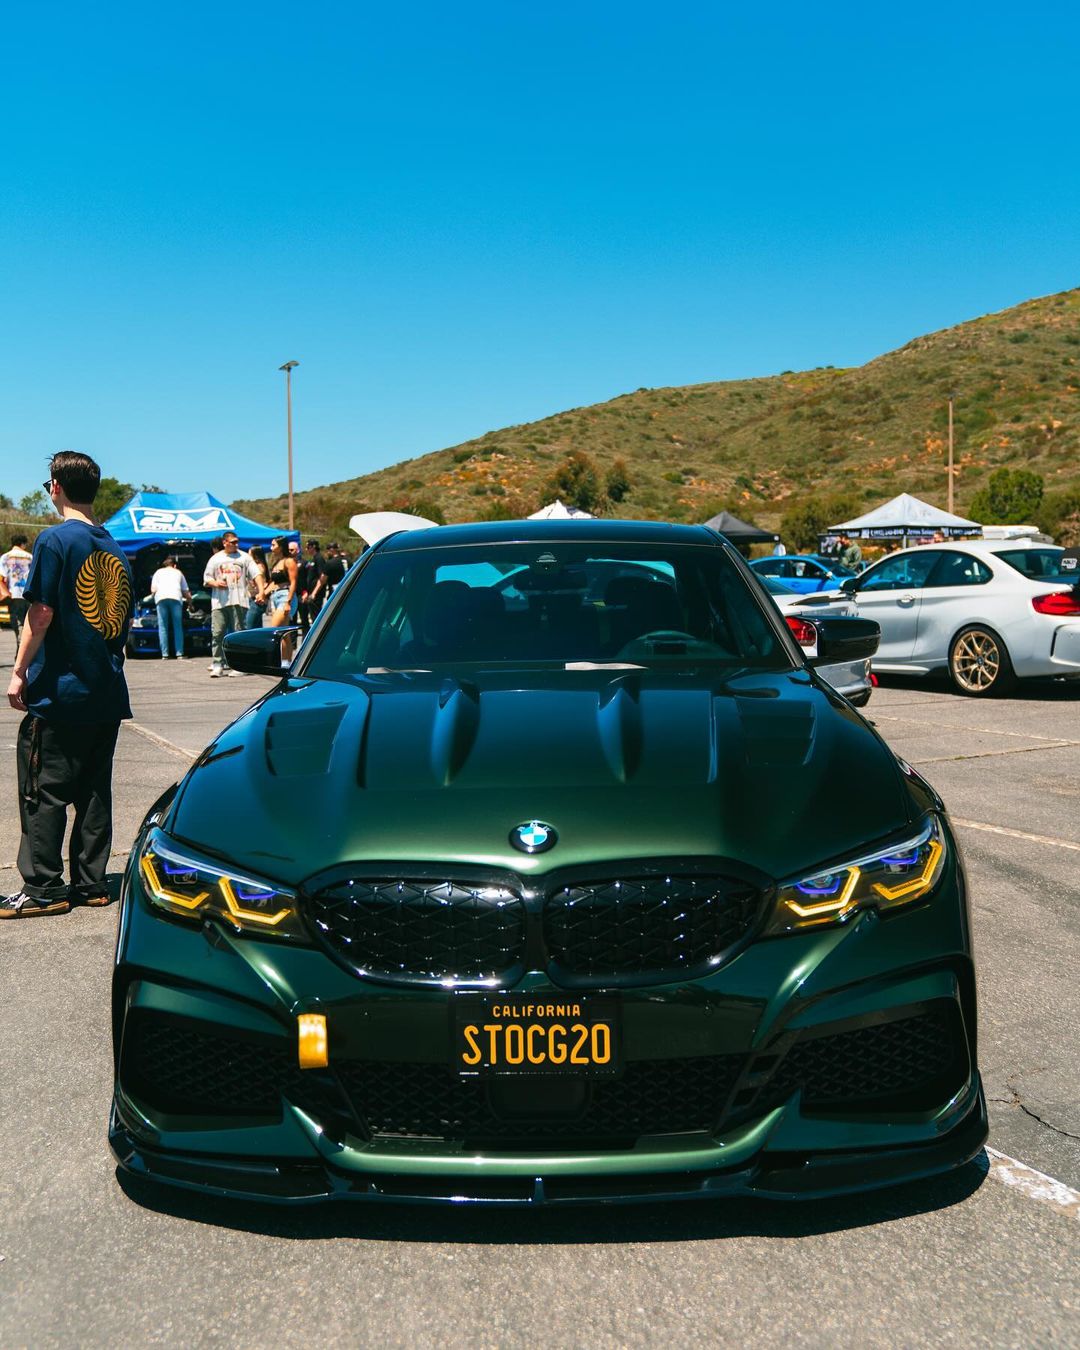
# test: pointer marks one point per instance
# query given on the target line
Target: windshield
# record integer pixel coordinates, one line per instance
(1040, 564)
(573, 604)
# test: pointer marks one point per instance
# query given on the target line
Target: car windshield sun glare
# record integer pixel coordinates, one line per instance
(194, 888)
(883, 881)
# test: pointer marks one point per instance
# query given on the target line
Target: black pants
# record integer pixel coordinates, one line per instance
(58, 767)
(16, 618)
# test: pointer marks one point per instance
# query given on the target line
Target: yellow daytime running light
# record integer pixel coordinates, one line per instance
(917, 884)
(242, 915)
(894, 877)
(832, 908)
(312, 1044)
(161, 892)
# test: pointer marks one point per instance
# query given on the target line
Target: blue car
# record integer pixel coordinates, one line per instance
(806, 573)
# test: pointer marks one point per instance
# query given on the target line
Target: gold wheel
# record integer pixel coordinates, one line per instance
(978, 662)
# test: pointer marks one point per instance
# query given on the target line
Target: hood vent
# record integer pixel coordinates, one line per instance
(299, 743)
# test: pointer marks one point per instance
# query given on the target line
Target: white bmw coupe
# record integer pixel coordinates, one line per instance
(987, 612)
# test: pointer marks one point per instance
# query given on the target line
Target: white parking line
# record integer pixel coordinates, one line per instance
(991, 754)
(160, 741)
(1016, 834)
(1035, 1185)
(975, 731)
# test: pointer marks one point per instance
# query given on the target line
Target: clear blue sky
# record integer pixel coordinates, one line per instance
(462, 216)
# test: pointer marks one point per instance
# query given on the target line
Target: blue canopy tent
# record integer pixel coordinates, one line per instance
(153, 524)
(184, 517)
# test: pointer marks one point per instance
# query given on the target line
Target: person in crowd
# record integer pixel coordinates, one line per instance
(260, 589)
(850, 552)
(14, 569)
(310, 569)
(331, 576)
(283, 579)
(227, 576)
(68, 680)
(170, 589)
(298, 558)
(283, 574)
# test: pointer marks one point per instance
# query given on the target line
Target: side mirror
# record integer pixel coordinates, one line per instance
(845, 640)
(258, 651)
(850, 585)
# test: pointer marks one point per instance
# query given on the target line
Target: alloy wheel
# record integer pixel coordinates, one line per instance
(976, 661)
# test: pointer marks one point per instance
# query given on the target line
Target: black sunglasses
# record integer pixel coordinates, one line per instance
(47, 485)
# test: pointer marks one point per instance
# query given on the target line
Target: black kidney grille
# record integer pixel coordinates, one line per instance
(422, 930)
(915, 1060)
(646, 924)
(430, 1101)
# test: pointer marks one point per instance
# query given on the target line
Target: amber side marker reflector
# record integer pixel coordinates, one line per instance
(311, 1038)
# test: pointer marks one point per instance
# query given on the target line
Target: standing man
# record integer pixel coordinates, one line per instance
(850, 553)
(14, 569)
(227, 576)
(331, 575)
(169, 588)
(308, 573)
(69, 681)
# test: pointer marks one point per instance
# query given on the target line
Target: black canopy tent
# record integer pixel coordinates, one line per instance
(738, 531)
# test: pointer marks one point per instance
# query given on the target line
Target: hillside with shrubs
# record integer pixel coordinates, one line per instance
(777, 450)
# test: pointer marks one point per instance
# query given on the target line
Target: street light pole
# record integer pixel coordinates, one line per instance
(289, 367)
(952, 398)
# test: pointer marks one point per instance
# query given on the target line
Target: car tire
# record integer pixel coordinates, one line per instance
(979, 664)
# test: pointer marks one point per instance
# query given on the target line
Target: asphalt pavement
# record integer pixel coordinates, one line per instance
(989, 1255)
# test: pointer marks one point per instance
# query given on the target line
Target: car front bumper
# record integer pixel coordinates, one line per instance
(838, 1060)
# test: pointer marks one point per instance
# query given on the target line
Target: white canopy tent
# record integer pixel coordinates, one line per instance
(556, 510)
(904, 516)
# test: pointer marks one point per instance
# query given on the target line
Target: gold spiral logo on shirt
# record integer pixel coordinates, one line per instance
(103, 593)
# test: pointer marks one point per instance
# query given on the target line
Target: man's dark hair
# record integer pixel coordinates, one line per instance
(329, 546)
(18, 541)
(168, 558)
(216, 543)
(313, 543)
(77, 474)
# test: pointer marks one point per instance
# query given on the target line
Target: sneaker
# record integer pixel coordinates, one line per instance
(23, 906)
(180, 656)
(233, 673)
(215, 671)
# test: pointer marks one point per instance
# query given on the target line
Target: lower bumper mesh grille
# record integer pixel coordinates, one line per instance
(916, 1059)
(672, 1096)
(179, 1066)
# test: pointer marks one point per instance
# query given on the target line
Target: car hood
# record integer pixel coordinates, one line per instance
(624, 764)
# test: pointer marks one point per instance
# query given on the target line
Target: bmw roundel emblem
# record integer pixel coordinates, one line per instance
(533, 837)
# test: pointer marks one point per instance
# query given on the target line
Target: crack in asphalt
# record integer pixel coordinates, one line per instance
(1015, 1100)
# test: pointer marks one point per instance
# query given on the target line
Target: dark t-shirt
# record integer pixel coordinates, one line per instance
(310, 572)
(77, 676)
(334, 572)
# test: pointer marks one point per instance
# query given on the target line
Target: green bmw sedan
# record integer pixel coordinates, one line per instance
(526, 882)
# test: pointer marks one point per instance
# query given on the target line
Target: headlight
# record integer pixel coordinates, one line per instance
(190, 887)
(896, 876)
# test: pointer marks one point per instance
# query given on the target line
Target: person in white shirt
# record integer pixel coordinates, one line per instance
(228, 576)
(14, 569)
(169, 588)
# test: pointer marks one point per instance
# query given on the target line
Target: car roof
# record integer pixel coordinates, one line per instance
(552, 532)
(975, 546)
